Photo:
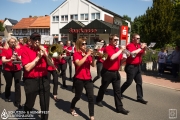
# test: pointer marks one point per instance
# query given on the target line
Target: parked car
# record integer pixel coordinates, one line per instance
(168, 64)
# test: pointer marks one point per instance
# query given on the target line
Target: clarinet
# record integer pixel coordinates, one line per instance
(13, 52)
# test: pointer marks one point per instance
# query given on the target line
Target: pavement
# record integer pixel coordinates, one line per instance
(151, 77)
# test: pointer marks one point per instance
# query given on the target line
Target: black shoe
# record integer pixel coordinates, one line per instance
(73, 90)
(18, 105)
(122, 96)
(56, 99)
(123, 111)
(65, 86)
(7, 100)
(99, 104)
(142, 101)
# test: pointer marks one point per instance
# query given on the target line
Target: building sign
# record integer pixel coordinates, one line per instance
(71, 30)
(123, 35)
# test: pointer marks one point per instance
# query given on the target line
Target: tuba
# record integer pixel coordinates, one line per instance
(55, 50)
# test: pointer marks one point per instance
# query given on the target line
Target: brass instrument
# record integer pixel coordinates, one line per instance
(96, 53)
(133, 55)
(54, 51)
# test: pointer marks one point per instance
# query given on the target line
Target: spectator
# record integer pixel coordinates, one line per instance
(161, 60)
(175, 61)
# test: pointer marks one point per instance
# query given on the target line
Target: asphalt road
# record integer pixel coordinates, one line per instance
(160, 101)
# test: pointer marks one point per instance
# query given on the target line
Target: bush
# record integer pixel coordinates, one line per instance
(151, 55)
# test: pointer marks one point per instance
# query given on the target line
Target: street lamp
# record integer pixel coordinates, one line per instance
(129, 31)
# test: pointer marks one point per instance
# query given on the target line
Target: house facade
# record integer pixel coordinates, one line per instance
(76, 18)
(8, 24)
(26, 26)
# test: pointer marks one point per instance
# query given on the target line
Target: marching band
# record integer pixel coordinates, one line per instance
(37, 66)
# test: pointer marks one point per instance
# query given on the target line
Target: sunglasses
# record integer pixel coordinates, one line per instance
(116, 39)
(84, 43)
(137, 38)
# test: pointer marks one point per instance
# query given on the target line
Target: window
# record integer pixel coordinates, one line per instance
(74, 17)
(24, 30)
(84, 17)
(55, 18)
(95, 16)
(92, 16)
(64, 17)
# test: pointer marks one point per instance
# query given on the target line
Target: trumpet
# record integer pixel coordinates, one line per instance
(96, 53)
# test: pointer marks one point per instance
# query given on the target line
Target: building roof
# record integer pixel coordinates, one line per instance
(8, 28)
(13, 22)
(41, 22)
(24, 23)
(1, 21)
(73, 24)
(103, 9)
(33, 22)
(103, 27)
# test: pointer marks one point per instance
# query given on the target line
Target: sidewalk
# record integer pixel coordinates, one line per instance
(165, 80)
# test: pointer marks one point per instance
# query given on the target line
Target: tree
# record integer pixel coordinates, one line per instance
(1, 27)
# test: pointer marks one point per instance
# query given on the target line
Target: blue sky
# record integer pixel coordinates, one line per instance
(18, 9)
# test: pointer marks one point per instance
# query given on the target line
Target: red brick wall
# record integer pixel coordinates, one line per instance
(108, 18)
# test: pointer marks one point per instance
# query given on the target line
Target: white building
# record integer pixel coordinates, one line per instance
(8, 24)
(85, 15)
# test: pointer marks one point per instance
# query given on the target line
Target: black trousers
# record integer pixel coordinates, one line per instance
(99, 66)
(62, 68)
(107, 78)
(55, 80)
(33, 87)
(69, 61)
(88, 85)
(9, 75)
(133, 72)
(0, 76)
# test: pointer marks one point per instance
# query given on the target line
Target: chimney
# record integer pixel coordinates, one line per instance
(30, 16)
(46, 15)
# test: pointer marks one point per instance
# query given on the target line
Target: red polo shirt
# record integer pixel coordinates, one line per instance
(9, 66)
(1, 49)
(56, 62)
(82, 72)
(138, 59)
(112, 64)
(68, 48)
(40, 70)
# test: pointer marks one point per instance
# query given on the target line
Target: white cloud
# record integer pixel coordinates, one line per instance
(146, 0)
(21, 1)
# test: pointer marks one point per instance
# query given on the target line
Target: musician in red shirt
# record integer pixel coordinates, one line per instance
(10, 54)
(52, 71)
(63, 66)
(110, 74)
(99, 63)
(1, 49)
(83, 60)
(133, 67)
(69, 50)
(35, 60)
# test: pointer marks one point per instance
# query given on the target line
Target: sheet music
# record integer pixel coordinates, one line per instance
(98, 45)
(47, 39)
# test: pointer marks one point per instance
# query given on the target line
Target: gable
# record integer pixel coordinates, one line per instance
(84, 7)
